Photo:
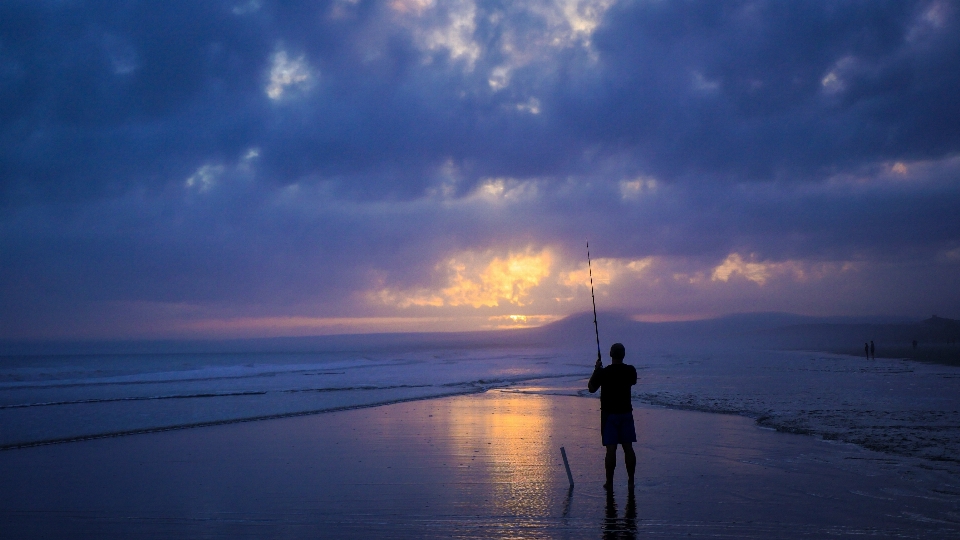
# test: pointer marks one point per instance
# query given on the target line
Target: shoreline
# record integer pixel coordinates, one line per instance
(117, 434)
(942, 355)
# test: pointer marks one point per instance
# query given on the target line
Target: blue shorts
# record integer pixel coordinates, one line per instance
(617, 428)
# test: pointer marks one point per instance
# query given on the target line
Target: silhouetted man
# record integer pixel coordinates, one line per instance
(866, 350)
(873, 351)
(616, 411)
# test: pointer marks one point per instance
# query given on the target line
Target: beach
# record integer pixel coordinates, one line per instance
(484, 465)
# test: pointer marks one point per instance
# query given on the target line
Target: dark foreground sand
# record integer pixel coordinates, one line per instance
(484, 465)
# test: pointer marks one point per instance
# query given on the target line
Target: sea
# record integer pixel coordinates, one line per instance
(905, 411)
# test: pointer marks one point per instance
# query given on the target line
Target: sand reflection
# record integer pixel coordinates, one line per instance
(517, 461)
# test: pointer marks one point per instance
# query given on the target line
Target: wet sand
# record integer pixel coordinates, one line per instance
(485, 465)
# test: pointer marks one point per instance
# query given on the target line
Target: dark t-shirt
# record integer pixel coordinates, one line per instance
(614, 382)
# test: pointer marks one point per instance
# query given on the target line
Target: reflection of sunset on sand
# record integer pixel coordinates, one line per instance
(519, 431)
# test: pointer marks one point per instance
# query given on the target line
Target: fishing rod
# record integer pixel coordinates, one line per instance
(596, 328)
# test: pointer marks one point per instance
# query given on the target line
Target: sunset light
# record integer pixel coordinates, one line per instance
(478, 280)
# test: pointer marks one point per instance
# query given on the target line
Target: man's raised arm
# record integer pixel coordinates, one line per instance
(594, 383)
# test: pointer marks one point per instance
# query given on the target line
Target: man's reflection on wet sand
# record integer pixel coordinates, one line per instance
(614, 527)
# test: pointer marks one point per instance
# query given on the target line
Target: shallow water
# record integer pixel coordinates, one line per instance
(894, 406)
(63, 398)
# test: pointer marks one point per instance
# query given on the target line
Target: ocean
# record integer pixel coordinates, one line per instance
(899, 407)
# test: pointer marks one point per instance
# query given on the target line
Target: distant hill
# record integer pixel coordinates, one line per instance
(575, 331)
(938, 337)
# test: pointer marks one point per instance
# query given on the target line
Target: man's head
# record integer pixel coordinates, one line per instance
(617, 352)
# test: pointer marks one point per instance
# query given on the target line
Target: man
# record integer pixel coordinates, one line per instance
(616, 411)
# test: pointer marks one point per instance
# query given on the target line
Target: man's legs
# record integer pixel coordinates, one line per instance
(610, 461)
(630, 458)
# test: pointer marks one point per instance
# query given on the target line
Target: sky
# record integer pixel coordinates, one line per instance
(251, 168)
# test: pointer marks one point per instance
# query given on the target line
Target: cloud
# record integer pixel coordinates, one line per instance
(757, 272)
(635, 188)
(286, 73)
(205, 178)
(477, 280)
(454, 33)
(603, 272)
(504, 190)
(208, 175)
(264, 160)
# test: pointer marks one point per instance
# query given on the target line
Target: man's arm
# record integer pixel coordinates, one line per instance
(594, 383)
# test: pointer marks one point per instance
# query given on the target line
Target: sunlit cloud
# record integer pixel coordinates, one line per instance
(477, 280)
(531, 106)
(411, 6)
(564, 24)
(604, 271)
(527, 32)
(835, 81)
(285, 73)
(831, 83)
(454, 33)
(210, 175)
(504, 190)
(585, 15)
(756, 271)
(634, 189)
(205, 178)
(898, 174)
(929, 23)
(499, 78)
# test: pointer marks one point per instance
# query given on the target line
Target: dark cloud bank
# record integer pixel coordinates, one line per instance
(263, 159)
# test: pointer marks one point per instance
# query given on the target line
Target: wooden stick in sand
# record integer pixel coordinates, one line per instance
(566, 464)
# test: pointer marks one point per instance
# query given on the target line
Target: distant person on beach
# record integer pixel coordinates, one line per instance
(914, 344)
(873, 351)
(616, 411)
(866, 350)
